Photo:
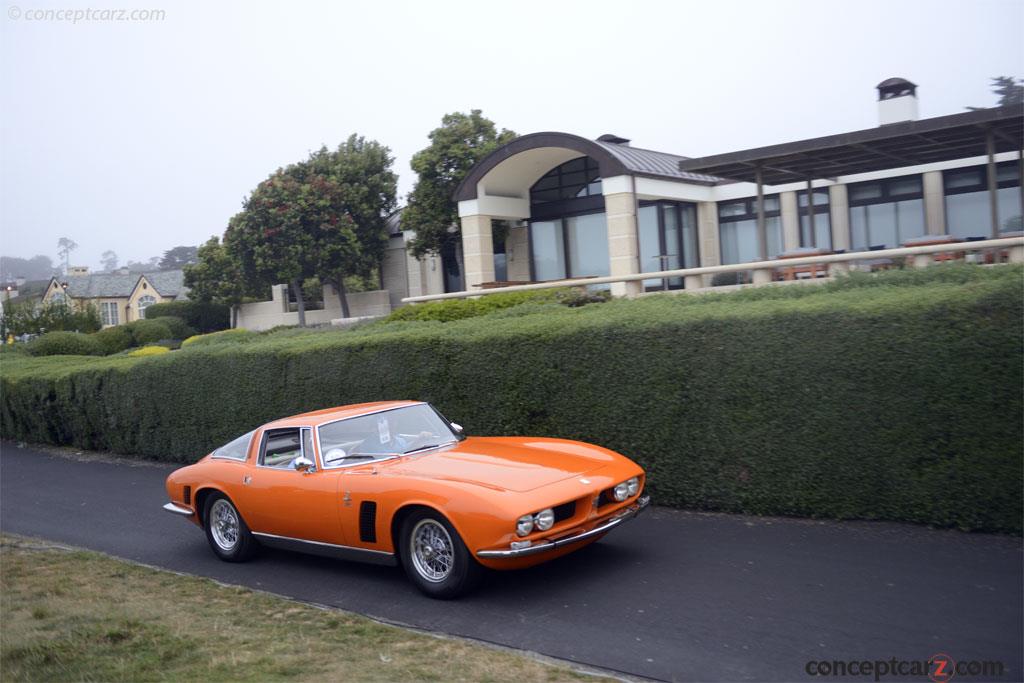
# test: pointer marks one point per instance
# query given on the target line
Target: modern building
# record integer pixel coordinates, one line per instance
(579, 207)
(121, 296)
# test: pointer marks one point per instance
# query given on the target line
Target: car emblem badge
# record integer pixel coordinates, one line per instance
(347, 500)
(247, 480)
(584, 481)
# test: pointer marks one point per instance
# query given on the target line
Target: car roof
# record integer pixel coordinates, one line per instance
(319, 417)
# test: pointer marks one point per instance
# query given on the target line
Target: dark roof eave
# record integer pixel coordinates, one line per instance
(723, 164)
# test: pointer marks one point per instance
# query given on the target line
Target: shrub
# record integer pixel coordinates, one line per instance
(179, 329)
(459, 309)
(114, 339)
(898, 400)
(149, 331)
(200, 316)
(234, 334)
(149, 351)
(64, 344)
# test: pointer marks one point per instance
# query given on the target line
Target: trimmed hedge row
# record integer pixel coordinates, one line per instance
(876, 402)
(199, 315)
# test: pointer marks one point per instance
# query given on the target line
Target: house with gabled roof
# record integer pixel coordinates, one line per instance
(121, 296)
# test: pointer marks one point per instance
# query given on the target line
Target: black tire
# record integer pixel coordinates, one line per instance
(464, 571)
(220, 539)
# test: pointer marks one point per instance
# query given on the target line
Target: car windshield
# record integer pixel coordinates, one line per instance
(379, 435)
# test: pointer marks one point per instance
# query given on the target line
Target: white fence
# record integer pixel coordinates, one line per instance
(763, 270)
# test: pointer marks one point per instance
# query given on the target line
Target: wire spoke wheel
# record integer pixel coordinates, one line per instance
(432, 550)
(224, 526)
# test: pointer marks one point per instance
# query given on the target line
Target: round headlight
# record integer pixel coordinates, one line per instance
(633, 485)
(545, 519)
(621, 492)
(524, 525)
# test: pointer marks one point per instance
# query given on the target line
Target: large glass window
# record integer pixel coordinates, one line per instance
(108, 313)
(822, 222)
(575, 246)
(572, 180)
(737, 229)
(886, 213)
(668, 240)
(144, 303)
(587, 238)
(548, 246)
(967, 200)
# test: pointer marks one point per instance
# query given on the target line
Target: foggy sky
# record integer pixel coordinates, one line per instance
(138, 136)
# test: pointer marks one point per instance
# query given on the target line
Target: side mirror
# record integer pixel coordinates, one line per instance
(335, 455)
(304, 464)
(457, 427)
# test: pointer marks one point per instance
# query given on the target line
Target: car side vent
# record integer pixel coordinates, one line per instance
(368, 521)
(186, 495)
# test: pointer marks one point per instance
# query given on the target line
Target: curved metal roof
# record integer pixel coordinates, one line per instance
(612, 160)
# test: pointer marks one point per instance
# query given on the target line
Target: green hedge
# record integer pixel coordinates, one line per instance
(871, 398)
(64, 344)
(200, 316)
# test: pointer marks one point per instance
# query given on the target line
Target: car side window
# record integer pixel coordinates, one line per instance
(237, 449)
(307, 445)
(281, 447)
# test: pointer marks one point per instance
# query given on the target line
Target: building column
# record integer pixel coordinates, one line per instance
(477, 250)
(934, 203)
(839, 214)
(623, 245)
(517, 248)
(790, 221)
(707, 237)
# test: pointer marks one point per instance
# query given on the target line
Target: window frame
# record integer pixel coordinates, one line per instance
(562, 221)
(264, 437)
(109, 313)
(751, 214)
(150, 299)
(886, 196)
(660, 206)
(819, 209)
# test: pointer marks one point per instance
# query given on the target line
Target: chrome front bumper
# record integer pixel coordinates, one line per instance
(620, 518)
(179, 510)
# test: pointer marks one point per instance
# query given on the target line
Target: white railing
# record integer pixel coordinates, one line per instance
(762, 269)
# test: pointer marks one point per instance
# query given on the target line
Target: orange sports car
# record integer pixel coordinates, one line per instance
(395, 482)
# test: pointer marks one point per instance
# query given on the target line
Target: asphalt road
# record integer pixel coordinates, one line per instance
(672, 595)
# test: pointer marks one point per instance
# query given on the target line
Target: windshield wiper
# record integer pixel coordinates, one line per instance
(427, 448)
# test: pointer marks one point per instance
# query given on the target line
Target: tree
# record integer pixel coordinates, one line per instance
(109, 260)
(215, 277)
(322, 217)
(36, 268)
(136, 266)
(1009, 90)
(178, 257)
(460, 142)
(65, 246)
(363, 170)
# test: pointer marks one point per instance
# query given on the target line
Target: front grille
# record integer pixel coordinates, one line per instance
(564, 511)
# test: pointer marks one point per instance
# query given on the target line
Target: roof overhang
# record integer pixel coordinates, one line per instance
(909, 143)
(573, 145)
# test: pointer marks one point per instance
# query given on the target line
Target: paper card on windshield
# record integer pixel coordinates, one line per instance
(385, 431)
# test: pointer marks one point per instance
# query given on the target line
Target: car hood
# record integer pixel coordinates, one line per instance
(508, 463)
